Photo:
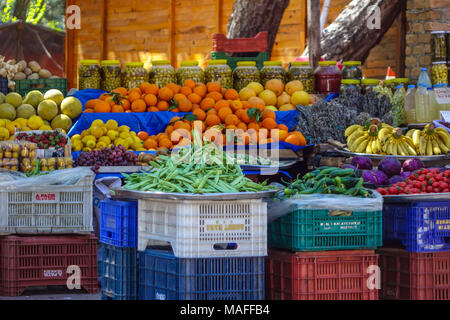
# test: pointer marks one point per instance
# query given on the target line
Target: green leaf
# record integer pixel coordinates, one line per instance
(190, 117)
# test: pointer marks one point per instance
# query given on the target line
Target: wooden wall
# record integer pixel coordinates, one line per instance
(136, 30)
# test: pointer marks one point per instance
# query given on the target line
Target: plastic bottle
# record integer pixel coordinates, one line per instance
(410, 108)
(422, 104)
(424, 78)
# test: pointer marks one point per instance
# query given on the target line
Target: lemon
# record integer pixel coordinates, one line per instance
(105, 139)
(124, 129)
(105, 131)
(44, 127)
(300, 98)
(11, 129)
(97, 132)
(2, 123)
(133, 134)
(129, 140)
(4, 134)
(97, 123)
(23, 122)
(89, 138)
(87, 149)
(122, 142)
(112, 125)
(137, 139)
(100, 145)
(124, 135)
(90, 144)
(113, 135)
(76, 137)
(77, 145)
(84, 133)
(26, 128)
(136, 146)
(35, 122)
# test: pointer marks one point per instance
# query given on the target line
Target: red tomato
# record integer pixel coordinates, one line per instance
(430, 189)
(392, 190)
(439, 177)
(421, 178)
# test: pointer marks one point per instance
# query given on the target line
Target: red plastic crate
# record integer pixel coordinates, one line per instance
(256, 44)
(414, 275)
(328, 275)
(31, 261)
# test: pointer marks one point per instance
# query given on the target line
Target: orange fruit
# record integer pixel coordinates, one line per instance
(152, 109)
(201, 115)
(195, 98)
(142, 135)
(283, 134)
(269, 114)
(236, 105)
(212, 120)
(283, 127)
(138, 106)
(214, 87)
(242, 126)
(126, 105)
(117, 108)
(148, 88)
(293, 139)
(150, 99)
(174, 87)
(197, 124)
(121, 90)
(136, 90)
(133, 96)
(269, 123)
(186, 91)
(224, 112)
(89, 111)
(231, 119)
(163, 105)
(165, 143)
(201, 90)
(253, 125)
(91, 103)
(186, 126)
(185, 105)
(207, 103)
(179, 96)
(256, 102)
(102, 107)
(177, 124)
(109, 99)
(150, 144)
(103, 96)
(165, 94)
(189, 83)
(211, 111)
(246, 104)
(215, 95)
(175, 110)
(221, 104)
(169, 130)
(231, 127)
(244, 116)
(231, 94)
(301, 137)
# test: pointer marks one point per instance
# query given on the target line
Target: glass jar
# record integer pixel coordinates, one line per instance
(390, 84)
(162, 73)
(272, 70)
(219, 71)
(439, 72)
(111, 75)
(350, 84)
(438, 46)
(245, 72)
(303, 72)
(190, 70)
(134, 75)
(367, 85)
(328, 77)
(89, 75)
(352, 70)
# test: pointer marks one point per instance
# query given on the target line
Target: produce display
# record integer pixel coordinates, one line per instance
(113, 156)
(22, 70)
(37, 111)
(328, 180)
(45, 139)
(431, 140)
(12, 153)
(110, 75)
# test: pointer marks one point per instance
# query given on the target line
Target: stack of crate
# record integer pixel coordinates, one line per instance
(420, 270)
(242, 49)
(46, 238)
(323, 255)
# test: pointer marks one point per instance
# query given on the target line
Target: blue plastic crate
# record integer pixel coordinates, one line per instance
(420, 226)
(118, 223)
(119, 273)
(164, 277)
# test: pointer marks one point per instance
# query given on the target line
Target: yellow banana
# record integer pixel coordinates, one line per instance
(401, 150)
(410, 133)
(442, 145)
(422, 146)
(429, 148)
(354, 137)
(441, 130)
(408, 145)
(436, 150)
(445, 138)
(369, 147)
(384, 133)
(416, 137)
(352, 129)
(362, 146)
(375, 149)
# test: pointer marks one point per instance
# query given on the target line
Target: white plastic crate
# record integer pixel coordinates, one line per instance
(205, 228)
(48, 209)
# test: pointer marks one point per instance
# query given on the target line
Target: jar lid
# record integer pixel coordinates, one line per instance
(217, 62)
(300, 63)
(350, 81)
(370, 81)
(411, 86)
(388, 81)
(246, 64)
(440, 62)
(352, 63)
(400, 80)
(327, 63)
(273, 63)
(88, 62)
(189, 63)
(160, 62)
(134, 64)
(399, 87)
(110, 62)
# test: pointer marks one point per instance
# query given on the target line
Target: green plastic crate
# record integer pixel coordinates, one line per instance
(316, 230)
(42, 85)
(232, 61)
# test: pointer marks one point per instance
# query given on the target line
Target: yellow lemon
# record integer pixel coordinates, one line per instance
(86, 149)
(44, 127)
(136, 145)
(2, 123)
(97, 123)
(84, 133)
(105, 130)
(124, 129)
(300, 98)
(90, 144)
(4, 134)
(23, 122)
(97, 132)
(113, 135)
(89, 138)
(100, 145)
(35, 122)
(76, 137)
(105, 139)
(124, 135)
(77, 145)
(112, 125)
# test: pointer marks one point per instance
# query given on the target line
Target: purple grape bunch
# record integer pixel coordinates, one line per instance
(106, 157)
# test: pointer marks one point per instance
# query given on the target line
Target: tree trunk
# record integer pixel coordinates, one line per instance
(349, 36)
(315, 51)
(20, 9)
(252, 16)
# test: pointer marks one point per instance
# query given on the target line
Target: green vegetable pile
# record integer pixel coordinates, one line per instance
(204, 169)
(329, 180)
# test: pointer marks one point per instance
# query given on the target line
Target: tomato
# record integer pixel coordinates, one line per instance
(430, 189)
(417, 184)
(446, 190)
(435, 171)
(421, 178)
(443, 185)
(446, 180)
(382, 191)
(435, 184)
(402, 184)
(437, 190)
(392, 190)
(446, 173)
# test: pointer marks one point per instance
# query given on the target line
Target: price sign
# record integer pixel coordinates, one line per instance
(442, 95)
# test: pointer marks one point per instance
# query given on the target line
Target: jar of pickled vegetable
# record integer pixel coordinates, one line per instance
(350, 84)
(303, 72)
(162, 73)
(111, 75)
(245, 72)
(89, 75)
(439, 72)
(438, 46)
(190, 70)
(272, 70)
(219, 71)
(390, 84)
(352, 70)
(328, 77)
(134, 75)
(367, 85)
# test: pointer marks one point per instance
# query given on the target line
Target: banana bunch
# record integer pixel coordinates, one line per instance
(430, 141)
(362, 140)
(394, 143)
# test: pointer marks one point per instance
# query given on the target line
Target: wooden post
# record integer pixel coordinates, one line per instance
(315, 51)
(401, 40)
(172, 57)
(103, 30)
(218, 4)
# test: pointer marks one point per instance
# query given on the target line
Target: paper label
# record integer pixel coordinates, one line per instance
(442, 95)
(445, 116)
(224, 225)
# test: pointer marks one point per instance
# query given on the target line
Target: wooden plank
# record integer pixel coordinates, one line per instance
(103, 35)
(172, 43)
(401, 41)
(314, 35)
